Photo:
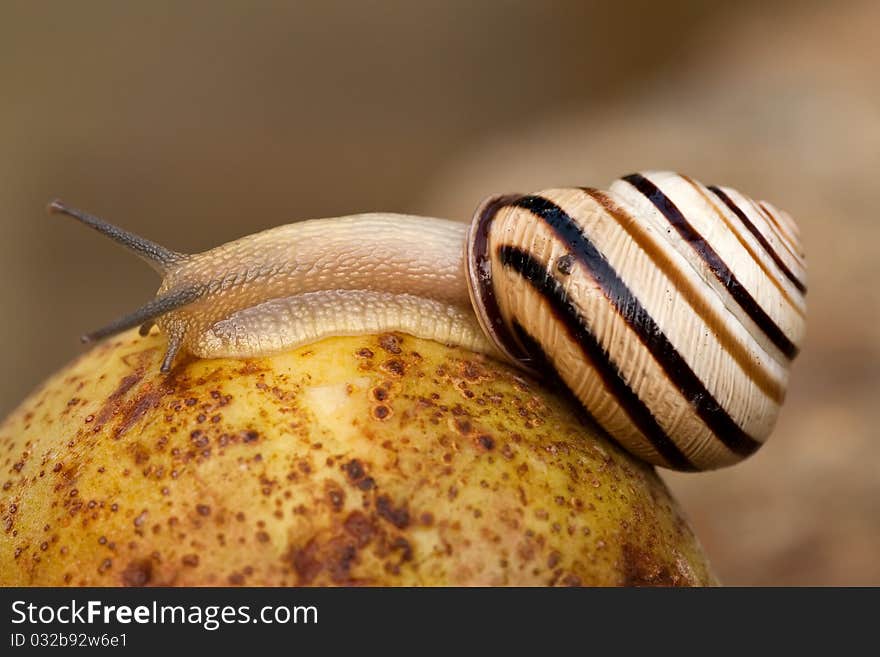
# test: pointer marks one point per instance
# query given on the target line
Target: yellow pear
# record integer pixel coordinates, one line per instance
(371, 460)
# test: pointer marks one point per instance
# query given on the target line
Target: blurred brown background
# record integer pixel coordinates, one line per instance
(194, 124)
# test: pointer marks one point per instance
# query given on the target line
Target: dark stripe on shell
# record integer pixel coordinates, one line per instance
(718, 267)
(759, 236)
(566, 313)
(481, 269)
(643, 325)
(718, 325)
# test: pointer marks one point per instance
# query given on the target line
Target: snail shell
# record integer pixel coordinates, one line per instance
(671, 310)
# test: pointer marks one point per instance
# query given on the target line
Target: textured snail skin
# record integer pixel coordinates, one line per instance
(671, 310)
(344, 276)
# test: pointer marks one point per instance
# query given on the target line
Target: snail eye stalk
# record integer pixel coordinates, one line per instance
(147, 314)
(155, 255)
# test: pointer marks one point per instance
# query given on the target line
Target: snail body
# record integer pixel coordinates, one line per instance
(671, 310)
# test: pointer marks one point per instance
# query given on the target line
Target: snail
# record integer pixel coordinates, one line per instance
(671, 310)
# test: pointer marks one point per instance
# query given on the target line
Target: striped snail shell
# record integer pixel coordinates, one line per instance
(671, 310)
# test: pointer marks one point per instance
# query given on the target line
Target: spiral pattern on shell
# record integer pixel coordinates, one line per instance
(670, 309)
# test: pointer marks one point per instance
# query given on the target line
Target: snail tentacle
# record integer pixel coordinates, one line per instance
(148, 313)
(156, 255)
(175, 342)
